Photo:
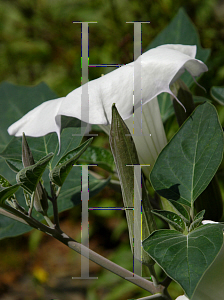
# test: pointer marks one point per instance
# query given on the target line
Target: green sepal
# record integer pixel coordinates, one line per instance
(27, 156)
(40, 199)
(124, 153)
(171, 218)
(65, 164)
(6, 193)
(30, 176)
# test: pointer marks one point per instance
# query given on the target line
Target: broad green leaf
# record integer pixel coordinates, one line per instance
(181, 30)
(187, 164)
(185, 258)
(30, 176)
(65, 164)
(213, 209)
(124, 152)
(16, 101)
(171, 218)
(217, 93)
(7, 192)
(200, 99)
(99, 156)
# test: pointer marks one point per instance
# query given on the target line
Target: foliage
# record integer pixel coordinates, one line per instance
(37, 51)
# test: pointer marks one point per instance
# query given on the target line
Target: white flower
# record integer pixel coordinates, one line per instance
(160, 67)
(211, 286)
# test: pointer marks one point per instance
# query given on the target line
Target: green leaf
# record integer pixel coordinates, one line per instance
(7, 192)
(217, 93)
(171, 218)
(30, 176)
(99, 156)
(197, 220)
(199, 215)
(180, 210)
(181, 30)
(65, 164)
(4, 182)
(124, 152)
(17, 101)
(187, 164)
(185, 258)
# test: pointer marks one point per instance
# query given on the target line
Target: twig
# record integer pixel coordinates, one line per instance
(166, 282)
(98, 259)
(153, 275)
(53, 199)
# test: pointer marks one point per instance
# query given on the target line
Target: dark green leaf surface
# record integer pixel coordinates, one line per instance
(30, 176)
(187, 164)
(185, 258)
(171, 218)
(217, 93)
(99, 156)
(65, 164)
(180, 210)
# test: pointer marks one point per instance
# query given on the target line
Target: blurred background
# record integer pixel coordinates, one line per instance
(39, 42)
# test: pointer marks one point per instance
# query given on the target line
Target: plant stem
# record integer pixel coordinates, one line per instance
(107, 264)
(98, 259)
(53, 198)
(153, 275)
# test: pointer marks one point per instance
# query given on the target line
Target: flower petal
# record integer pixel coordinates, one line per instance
(153, 138)
(183, 297)
(40, 121)
(159, 68)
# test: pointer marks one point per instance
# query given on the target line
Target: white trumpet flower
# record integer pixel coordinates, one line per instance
(160, 67)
